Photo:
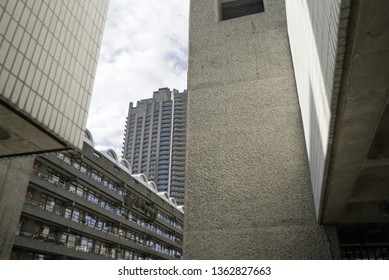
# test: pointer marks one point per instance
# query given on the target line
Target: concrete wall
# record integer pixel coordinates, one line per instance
(248, 192)
(14, 177)
(317, 31)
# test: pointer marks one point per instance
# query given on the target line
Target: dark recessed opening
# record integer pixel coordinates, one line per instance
(379, 148)
(4, 134)
(240, 8)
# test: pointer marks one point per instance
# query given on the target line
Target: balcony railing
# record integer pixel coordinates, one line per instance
(63, 185)
(89, 173)
(61, 211)
(59, 242)
(364, 252)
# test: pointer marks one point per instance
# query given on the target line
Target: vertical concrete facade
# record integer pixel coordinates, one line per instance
(248, 192)
(14, 177)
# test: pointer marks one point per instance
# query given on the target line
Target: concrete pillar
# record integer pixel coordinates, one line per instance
(248, 191)
(14, 178)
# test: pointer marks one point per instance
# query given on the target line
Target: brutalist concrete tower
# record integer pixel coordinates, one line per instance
(248, 190)
(155, 140)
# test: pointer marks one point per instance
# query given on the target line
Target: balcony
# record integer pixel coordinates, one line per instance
(62, 189)
(57, 214)
(26, 240)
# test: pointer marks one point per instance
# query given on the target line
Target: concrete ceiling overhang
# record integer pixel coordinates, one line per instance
(19, 136)
(357, 184)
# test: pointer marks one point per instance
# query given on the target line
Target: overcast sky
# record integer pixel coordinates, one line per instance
(145, 47)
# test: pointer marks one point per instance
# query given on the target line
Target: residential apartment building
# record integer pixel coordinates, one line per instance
(87, 205)
(287, 130)
(155, 140)
(48, 59)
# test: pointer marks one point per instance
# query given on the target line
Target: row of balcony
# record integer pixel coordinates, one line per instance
(120, 191)
(115, 213)
(105, 231)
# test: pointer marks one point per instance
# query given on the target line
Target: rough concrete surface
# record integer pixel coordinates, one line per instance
(248, 192)
(14, 177)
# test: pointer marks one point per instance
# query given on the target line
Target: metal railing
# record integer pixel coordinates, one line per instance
(61, 211)
(60, 242)
(63, 185)
(94, 176)
(364, 252)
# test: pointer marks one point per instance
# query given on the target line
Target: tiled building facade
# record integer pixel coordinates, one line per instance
(48, 59)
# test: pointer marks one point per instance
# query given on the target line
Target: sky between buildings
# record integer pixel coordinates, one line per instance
(145, 47)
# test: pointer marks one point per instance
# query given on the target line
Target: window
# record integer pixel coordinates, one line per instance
(38, 256)
(72, 188)
(76, 165)
(86, 244)
(67, 159)
(44, 231)
(76, 215)
(97, 246)
(68, 212)
(29, 194)
(90, 220)
(238, 8)
(81, 191)
(47, 203)
(36, 167)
